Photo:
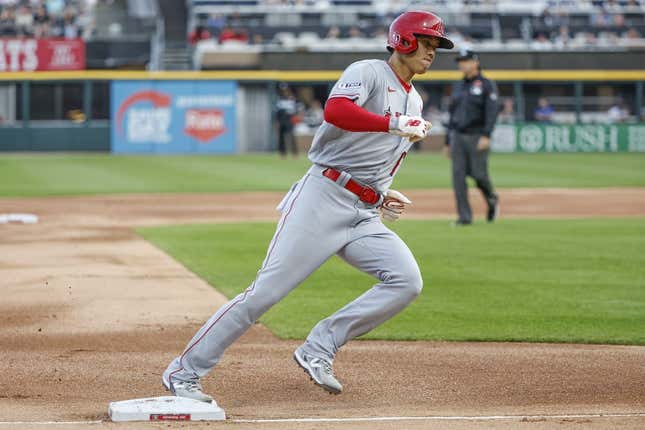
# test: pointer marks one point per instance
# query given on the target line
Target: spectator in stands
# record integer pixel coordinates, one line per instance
(563, 38)
(229, 34)
(609, 38)
(355, 33)
(286, 111)
(381, 33)
(69, 28)
(632, 35)
(544, 111)
(554, 19)
(7, 22)
(601, 18)
(618, 20)
(24, 21)
(618, 112)
(314, 115)
(199, 33)
(42, 22)
(44, 18)
(541, 42)
(216, 22)
(590, 39)
(333, 32)
(507, 114)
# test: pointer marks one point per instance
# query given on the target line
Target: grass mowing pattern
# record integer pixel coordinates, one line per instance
(67, 174)
(580, 281)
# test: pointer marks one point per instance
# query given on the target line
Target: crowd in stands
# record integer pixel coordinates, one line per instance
(603, 27)
(67, 19)
(549, 24)
(423, 3)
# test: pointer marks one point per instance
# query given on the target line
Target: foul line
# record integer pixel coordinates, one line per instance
(368, 419)
(441, 418)
(45, 423)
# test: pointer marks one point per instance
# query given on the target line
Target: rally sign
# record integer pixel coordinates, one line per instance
(27, 55)
(173, 116)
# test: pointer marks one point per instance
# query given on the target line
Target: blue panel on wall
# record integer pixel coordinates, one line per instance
(173, 117)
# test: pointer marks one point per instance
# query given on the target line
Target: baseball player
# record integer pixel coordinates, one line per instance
(372, 117)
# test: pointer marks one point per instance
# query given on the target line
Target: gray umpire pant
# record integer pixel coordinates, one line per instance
(467, 160)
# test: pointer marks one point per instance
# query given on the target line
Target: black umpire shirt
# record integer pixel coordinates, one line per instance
(473, 106)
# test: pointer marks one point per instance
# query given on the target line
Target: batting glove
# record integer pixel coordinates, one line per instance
(412, 127)
(393, 205)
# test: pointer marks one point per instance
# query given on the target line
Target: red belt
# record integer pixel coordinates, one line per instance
(365, 194)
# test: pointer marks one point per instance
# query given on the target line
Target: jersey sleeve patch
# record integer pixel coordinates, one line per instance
(349, 85)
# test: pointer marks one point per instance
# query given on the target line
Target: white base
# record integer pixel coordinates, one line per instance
(167, 408)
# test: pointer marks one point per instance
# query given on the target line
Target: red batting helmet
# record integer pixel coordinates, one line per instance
(403, 31)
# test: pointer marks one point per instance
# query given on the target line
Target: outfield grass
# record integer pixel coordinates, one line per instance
(517, 280)
(67, 174)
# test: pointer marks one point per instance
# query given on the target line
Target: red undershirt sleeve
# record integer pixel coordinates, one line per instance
(345, 114)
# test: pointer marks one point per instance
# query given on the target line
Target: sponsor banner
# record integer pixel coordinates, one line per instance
(28, 55)
(569, 138)
(173, 117)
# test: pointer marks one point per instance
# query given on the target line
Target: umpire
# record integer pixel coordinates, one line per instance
(473, 111)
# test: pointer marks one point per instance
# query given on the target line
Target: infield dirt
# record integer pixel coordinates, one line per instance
(92, 313)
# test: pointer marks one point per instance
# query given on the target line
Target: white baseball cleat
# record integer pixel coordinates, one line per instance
(188, 389)
(319, 369)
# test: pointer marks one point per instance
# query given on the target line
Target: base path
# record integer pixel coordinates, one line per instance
(155, 209)
(91, 313)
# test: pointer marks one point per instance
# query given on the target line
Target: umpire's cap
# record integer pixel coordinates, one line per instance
(467, 54)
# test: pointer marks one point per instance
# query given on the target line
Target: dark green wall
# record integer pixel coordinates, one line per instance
(63, 138)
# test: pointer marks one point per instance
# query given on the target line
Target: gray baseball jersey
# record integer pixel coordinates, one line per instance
(321, 218)
(371, 158)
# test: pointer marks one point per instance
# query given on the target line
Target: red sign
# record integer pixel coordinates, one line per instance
(27, 55)
(169, 417)
(204, 124)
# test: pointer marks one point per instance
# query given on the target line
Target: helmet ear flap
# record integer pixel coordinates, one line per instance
(403, 43)
(408, 45)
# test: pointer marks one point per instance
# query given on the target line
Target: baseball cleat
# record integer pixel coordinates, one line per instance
(188, 389)
(319, 370)
(493, 209)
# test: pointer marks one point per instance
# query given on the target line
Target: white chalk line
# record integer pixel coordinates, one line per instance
(368, 419)
(45, 423)
(443, 418)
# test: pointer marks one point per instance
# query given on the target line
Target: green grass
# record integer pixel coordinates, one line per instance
(67, 174)
(517, 280)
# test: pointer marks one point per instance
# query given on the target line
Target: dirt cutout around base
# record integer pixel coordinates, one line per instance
(91, 313)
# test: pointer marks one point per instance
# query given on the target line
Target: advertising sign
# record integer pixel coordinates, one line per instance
(173, 117)
(569, 138)
(28, 55)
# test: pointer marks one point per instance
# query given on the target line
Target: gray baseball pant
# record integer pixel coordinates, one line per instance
(467, 160)
(320, 218)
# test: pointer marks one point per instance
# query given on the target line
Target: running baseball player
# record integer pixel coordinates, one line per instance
(372, 117)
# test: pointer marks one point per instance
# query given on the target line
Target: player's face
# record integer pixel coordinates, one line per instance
(421, 59)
